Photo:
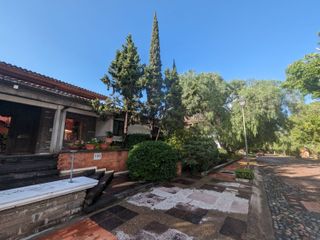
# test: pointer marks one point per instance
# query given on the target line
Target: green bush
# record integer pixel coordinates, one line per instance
(245, 173)
(133, 139)
(197, 152)
(152, 161)
(200, 153)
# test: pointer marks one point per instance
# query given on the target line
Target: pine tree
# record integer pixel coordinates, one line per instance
(126, 71)
(174, 113)
(153, 78)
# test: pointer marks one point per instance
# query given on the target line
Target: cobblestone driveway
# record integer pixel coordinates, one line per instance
(293, 192)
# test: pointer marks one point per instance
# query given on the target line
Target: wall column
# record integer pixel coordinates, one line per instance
(61, 130)
(55, 129)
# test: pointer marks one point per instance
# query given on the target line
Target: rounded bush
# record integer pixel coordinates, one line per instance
(152, 161)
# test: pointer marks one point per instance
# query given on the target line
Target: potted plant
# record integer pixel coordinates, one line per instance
(103, 145)
(76, 145)
(109, 136)
(92, 144)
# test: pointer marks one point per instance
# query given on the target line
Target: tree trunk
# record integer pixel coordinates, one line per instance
(125, 128)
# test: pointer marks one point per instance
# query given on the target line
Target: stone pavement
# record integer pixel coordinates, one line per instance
(293, 192)
(190, 207)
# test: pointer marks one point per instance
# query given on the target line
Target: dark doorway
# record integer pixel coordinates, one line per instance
(23, 128)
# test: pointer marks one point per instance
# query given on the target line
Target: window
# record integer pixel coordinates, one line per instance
(118, 127)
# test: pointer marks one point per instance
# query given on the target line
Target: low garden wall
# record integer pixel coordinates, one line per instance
(111, 160)
(28, 210)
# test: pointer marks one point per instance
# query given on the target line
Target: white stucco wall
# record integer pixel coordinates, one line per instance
(103, 126)
(138, 128)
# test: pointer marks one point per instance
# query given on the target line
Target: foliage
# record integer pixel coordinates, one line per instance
(304, 75)
(200, 153)
(125, 71)
(94, 141)
(205, 97)
(245, 173)
(264, 110)
(152, 80)
(133, 139)
(109, 134)
(174, 112)
(152, 161)
(197, 152)
(305, 130)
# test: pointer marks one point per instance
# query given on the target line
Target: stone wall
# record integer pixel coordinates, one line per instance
(111, 160)
(19, 222)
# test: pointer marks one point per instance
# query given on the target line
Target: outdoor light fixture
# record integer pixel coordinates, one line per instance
(242, 103)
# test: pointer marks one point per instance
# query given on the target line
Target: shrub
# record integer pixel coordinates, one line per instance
(133, 139)
(245, 173)
(200, 153)
(152, 161)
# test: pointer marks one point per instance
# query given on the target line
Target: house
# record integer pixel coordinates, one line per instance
(40, 114)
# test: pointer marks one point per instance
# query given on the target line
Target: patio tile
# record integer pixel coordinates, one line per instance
(193, 215)
(239, 207)
(184, 181)
(99, 217)
(126, 214)
(156, 227)
(116, 209)
(111, 223)
(203, 197)
(233, 227)
(216, 188)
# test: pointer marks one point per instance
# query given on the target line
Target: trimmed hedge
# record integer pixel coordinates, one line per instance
(152, 161)
(245, 173)
(133, 139)
(200, 153)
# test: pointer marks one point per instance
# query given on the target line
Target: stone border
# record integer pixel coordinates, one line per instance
(259, 216)
(30, 194)
(218, 167)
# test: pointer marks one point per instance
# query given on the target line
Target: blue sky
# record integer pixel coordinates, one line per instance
(75, 40)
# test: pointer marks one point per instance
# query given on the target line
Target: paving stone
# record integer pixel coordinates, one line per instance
(126, 214)
(240, 207)
(183, 181)
(190, 214)
(156, 227)
(203, 197)
(216, 188)
(233, 227)
(111, 223)
(99, 217)
(116, 209)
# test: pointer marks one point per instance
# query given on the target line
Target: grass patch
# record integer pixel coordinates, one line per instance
(245, 173)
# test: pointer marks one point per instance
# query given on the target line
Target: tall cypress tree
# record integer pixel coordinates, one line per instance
(174, 111)
(153, 77)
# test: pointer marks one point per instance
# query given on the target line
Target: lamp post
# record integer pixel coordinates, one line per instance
(242, 103)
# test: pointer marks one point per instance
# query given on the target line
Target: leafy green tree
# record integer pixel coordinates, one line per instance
(205, 98)
(153, 82)
(304, 75)
(124, 76)
(265, 113)
(174, 112)
(305, 130)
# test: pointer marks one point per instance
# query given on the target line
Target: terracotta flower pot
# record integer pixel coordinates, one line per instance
(109, 140)
(90, 146)
(104, 146)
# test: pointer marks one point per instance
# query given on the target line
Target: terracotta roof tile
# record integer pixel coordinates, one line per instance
(41, 81)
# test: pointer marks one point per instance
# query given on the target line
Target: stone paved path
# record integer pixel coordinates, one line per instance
(293, 192)
(190, 207)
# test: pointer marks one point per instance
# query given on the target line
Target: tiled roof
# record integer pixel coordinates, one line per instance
(43, 82)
